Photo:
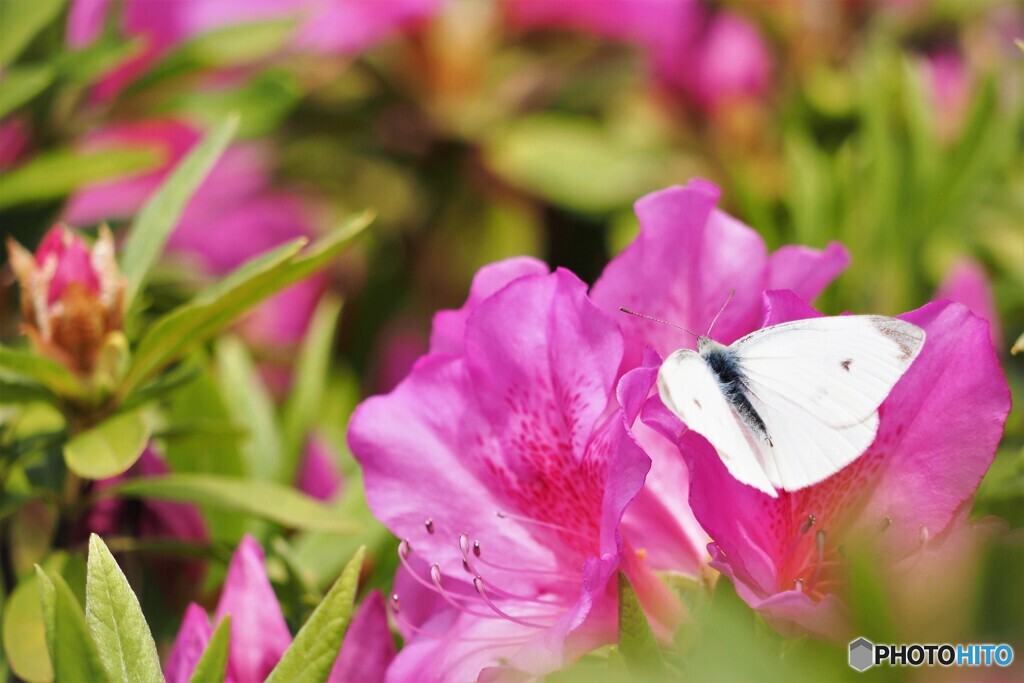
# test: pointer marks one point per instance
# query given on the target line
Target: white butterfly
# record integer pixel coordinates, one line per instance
(790, 405)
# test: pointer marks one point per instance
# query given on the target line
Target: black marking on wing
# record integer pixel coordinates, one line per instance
(731, 380)
(846, 364)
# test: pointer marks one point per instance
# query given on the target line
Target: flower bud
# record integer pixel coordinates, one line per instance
(72, 296)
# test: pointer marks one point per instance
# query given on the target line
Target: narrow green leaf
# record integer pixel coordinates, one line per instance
(312, 653)
(90, 63)
(240, 44)
(636, 641)
(39, 369)
(212, 665)
(313, 367)
(274, 502)
(56, 174)
(109, 448)
(20, 84)
(21, 21)
(71, 648)
(187, 326)
(252, 407)
(160, 214)
(115, 620)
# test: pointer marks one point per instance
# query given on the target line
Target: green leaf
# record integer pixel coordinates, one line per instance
(311, 655)
(21, 21)
(56, 174)
(14, 391)
(109, 448)
(212, 665)
(252, 407)
(115, 620)
(24, 633)
(306, 397)
(71, 648)
(39, 369)
(20, 84)
(187, 326)
(636, 640)
(274, 502)
(160, 214)
(573, 161)
(90, 63)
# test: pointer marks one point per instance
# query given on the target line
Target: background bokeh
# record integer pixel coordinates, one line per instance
(483, 129)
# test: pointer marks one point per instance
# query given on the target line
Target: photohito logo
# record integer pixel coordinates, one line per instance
(864, 654)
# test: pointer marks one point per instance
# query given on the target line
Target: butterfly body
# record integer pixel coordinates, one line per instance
(726, 367)
(790, 405)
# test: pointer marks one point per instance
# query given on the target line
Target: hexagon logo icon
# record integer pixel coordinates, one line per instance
(862, 654)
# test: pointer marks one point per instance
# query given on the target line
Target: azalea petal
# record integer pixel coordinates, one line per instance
(259, 634)
(192, 638)
(681, 268)
(806, 271)
(449, 326)
(968, 284)
(368, 647)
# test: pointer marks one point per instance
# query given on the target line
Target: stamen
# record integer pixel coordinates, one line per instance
(811, 519)
(798, 585)
(430, 525)
(886, 522)
(923, 534)
(478, 583)
(804, 528)
(468, 566)
(394, 603)
(819, 544)
(476, 548)
(529, 520)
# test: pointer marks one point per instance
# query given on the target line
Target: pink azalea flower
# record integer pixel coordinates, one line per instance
(260, 636)
(785, 554)
(325, 26)
(949, 85)
(967, 283)
(233, 216)
(503, 461)
(681, 268)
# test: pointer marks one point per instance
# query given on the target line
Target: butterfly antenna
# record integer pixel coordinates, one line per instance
(722, 310)
(658, 320)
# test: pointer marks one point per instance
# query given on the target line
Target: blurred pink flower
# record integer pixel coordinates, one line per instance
(153, 520)
(234, 216)
(712, 58)
(949, 85)
(733, 62)
(319, 474)
(71, 295)
(398, 351)
(503, 461)
(785, 554)
(327, 26)
(967, 283)
(260, 636)
(13, 142)
(681, 268)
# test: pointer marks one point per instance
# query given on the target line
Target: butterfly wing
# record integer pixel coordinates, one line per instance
(817, 385)
(689, 389)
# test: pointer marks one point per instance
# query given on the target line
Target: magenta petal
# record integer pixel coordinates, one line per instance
(934, 446)
(681, 268)
(259, 634)
(732, 63)
(806, 271)
(968, 284)
(192, 639)
(319, 475)
(368, 647)
(450, 326)
(783, 306)
(348, 26)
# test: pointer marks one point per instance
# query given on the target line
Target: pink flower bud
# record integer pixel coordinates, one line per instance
(71, 295)
(733, 62)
